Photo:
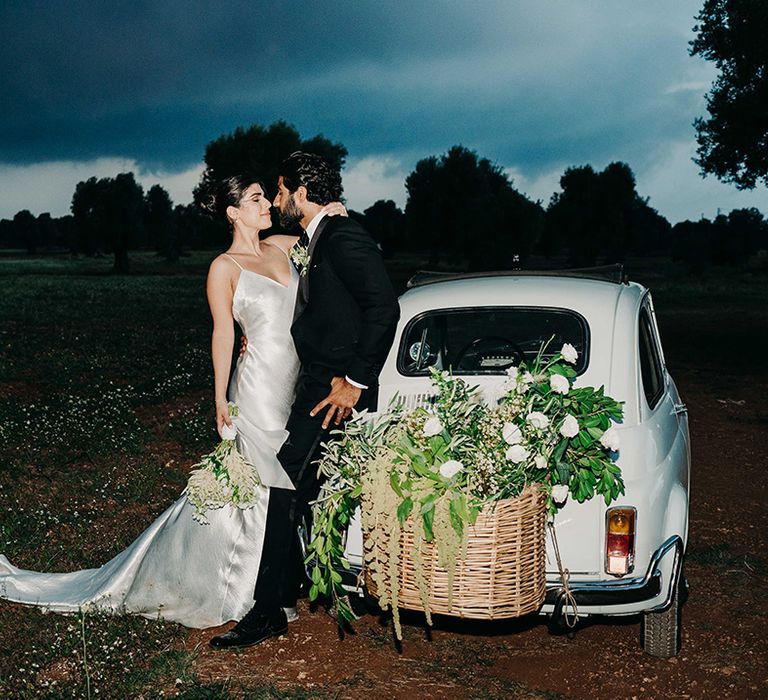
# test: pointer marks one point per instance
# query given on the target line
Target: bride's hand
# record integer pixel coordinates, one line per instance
(334, 209)
(222, 416)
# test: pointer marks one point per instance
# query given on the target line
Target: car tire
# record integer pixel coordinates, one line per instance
(661, 632)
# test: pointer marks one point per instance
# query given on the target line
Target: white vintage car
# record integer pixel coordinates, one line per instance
(625, 558)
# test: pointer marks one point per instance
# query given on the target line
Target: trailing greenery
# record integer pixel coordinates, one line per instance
(435, 467)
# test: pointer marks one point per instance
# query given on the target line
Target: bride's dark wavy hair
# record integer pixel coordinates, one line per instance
(322, 181)
(217, 195)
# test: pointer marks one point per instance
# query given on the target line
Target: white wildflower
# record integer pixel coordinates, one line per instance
(511, 433)
(570, 427)
(450, 468)
(560, 493)
(432, 427)
(512, 373)
(243, 476)
(610, 440)
(517, 454)
(538, 420)
(559, 384)
(569, 353)
(540, 461)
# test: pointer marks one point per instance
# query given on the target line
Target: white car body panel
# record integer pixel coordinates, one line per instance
(654, 455)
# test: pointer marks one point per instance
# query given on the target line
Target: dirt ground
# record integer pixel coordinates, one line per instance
(724, 654)
(722, 377)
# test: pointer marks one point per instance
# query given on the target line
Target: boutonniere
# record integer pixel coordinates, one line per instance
(300, 258)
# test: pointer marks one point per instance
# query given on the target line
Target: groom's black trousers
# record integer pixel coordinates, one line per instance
(281, 570)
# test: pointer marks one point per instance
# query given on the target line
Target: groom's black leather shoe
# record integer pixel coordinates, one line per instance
(252, 629)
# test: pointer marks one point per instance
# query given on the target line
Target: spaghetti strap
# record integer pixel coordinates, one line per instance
(234, 261)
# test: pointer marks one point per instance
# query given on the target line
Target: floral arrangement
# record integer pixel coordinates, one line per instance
(300, 258)
(440, 464)
(222, 477)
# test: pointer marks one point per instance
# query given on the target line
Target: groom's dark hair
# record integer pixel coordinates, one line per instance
(322, 181)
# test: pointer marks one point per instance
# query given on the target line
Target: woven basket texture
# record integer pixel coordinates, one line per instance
(503, 573)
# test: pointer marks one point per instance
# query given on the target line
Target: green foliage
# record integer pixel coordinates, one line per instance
(732, 141)
(108, 215)
(259, 151)
(601, 214)
(65, 656)
(464, 207)
(160, 223)
(437, 467)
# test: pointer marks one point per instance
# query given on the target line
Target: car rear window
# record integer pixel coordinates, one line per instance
(488, 340)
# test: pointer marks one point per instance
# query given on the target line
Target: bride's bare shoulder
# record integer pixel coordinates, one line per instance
(221, 268)
(282, 241)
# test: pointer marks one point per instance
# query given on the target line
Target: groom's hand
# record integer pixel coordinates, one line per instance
(341, 401)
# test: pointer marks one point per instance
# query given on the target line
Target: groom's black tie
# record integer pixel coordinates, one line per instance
(304, 239)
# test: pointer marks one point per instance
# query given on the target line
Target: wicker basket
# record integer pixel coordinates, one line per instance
(502, 575)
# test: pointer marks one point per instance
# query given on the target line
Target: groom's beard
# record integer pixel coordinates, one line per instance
(291, 215)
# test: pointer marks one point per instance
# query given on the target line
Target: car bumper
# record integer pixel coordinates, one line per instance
(651, 592)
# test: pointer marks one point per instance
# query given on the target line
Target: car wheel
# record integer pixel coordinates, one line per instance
(661, 632)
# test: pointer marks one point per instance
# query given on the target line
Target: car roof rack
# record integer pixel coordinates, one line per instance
(605, 273)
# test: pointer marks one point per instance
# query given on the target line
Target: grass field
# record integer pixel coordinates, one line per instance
(105, 401)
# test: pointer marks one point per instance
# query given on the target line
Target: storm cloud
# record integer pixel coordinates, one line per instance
(533, 86)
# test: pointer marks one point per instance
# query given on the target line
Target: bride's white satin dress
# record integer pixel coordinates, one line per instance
(178, 569)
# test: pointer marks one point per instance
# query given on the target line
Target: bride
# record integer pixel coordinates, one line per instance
(201, 575)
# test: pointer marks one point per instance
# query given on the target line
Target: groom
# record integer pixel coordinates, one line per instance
(343, 326)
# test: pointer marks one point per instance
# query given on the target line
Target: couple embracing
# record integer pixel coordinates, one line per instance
(317, 336)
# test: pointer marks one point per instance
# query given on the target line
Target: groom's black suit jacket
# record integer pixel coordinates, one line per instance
(346, 309)
(344, 323)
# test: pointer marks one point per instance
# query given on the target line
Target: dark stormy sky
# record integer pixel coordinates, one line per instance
(95, 88)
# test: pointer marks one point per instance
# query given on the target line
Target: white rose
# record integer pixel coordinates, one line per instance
(610, 440)
(433, 426)
(560, 493)
(570, 427)
(511, 433)
(538, 420)
(450, 468)
(540, 461)
(228, 432)
(569, 353)
(517, 453)
(559, 384)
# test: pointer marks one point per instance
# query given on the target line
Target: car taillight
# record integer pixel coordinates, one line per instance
(620, 540)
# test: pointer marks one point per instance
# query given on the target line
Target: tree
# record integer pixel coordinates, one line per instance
(728, 240)
(747, 234)
(123, 204)
(109, 211)
(84, 209)
(160, 223)
(48, 232)
(464, 208)
(601, 214)
(733, 141)
(259, 151)
(27, 230)
(386, 223)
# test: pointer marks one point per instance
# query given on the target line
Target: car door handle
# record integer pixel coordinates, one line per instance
(680, 409)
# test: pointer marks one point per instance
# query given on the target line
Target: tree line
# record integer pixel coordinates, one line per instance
(462, 211)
